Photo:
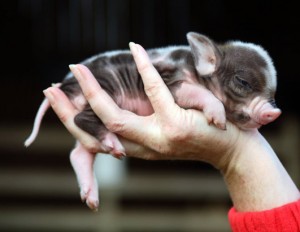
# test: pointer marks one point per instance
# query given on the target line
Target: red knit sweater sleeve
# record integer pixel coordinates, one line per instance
(282, 219)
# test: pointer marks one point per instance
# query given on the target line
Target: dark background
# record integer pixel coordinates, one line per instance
(40, 38)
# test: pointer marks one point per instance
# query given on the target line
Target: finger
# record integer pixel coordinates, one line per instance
(155, 88)
(117, 120)
(95, 95)
(66, 113)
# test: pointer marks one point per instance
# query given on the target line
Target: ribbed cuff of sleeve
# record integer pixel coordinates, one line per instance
(285, 218)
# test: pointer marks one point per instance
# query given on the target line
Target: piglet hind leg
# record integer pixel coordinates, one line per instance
(82, 162)
(109, 142)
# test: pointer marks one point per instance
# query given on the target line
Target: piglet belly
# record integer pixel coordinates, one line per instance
(137, 105)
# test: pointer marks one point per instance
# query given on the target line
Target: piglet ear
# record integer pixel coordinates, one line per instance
(205, 52)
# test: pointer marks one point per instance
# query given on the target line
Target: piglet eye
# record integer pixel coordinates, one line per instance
(242, 82)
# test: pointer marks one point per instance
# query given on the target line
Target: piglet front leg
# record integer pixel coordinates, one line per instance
(193, 96)
(82, 161)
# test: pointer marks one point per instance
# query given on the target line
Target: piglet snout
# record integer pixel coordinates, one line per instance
(268, 113)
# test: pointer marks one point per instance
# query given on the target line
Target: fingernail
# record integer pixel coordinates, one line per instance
(75, 71)
(133, 47)
(49, 96)
(72, 66)
(55, 84)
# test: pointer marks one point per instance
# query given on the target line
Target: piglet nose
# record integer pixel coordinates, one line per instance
(269, 115)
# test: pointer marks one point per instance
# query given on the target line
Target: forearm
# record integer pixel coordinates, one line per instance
(255, 177)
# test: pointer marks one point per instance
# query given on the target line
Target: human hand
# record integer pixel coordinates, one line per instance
(169, 133)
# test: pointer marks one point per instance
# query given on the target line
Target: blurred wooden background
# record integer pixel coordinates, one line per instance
(39, 38)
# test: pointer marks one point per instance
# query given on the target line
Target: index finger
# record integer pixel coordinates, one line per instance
(155, 88)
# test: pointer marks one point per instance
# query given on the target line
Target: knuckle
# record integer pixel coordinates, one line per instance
(178, 137)
(92, 146)
(115, 125)
(176, 134)
(63, 117)
(90, 94)
(151, 89)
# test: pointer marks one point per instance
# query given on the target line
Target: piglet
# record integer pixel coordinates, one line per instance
(234, 81)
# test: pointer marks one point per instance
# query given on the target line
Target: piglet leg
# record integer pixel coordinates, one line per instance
(88, 121)
(111, 144)
(82, 161)
(198, 97)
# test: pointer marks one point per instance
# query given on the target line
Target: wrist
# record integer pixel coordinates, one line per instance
(255, 177)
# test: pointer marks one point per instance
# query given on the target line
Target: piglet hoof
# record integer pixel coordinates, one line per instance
(215, 114)
(112, 145)
(90, 197)
(118, 154)
(93, 204)
(221, 126)
(83, 195)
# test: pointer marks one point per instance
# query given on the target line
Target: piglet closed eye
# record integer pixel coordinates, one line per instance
(234, 81)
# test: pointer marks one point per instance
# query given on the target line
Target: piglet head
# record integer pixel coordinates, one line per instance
(250, 81)
(241, 75)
